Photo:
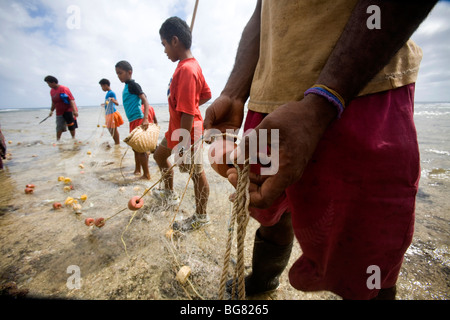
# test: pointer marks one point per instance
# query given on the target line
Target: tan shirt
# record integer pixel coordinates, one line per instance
(297, 37)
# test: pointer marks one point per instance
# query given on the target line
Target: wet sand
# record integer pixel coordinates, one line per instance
(39, 244)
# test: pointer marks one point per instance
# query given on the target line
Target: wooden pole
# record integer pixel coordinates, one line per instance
(193, 17)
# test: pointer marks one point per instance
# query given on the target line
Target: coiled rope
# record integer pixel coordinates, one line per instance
(239, 216)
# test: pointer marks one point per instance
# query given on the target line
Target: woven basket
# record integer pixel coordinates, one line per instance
(143, 140)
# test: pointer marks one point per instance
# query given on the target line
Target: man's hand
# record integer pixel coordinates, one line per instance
(224, 113)
(301, 126)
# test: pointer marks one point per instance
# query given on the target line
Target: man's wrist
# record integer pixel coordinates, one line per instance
(330, 95)
(236, 94)
(324, 111)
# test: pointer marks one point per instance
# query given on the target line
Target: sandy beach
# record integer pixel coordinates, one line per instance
(40, 245)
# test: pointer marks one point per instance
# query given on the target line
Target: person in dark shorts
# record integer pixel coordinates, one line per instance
(66, 109)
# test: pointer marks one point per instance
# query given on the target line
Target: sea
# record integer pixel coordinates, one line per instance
(104, 172)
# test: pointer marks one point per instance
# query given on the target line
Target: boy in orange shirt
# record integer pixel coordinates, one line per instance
(188, 90)
(113, 118)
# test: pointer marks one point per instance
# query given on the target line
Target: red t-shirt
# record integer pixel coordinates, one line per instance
(61, 107)
(187, 87)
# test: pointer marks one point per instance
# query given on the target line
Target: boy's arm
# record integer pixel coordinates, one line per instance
(185, 123)
(146, 106)
(203, 101)
(113, 98)
(206, 95)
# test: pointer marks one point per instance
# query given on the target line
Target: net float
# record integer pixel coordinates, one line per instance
(57, 205)
(29, 190)
(83, 197)
(67, 180)
(61, 178)
(32, 186)
(69, 201)
(89, 222)
(67, 189)
(169, 234)
(100, 222)
(135, 203)
(89, 152)
(183, 274)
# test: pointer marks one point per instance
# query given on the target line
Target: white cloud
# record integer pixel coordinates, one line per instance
(35, 41)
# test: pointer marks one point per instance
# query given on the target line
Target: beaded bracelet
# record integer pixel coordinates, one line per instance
(331, 95)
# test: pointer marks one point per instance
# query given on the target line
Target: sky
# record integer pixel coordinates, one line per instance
(80, 41)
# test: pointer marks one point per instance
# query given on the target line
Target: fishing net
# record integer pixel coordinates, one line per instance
(136, 254)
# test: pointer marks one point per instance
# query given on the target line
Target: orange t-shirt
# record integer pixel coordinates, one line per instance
(187, 87)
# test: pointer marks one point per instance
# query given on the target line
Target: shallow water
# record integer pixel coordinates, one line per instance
(39, 243)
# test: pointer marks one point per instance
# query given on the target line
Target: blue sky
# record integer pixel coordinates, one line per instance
(35, 41)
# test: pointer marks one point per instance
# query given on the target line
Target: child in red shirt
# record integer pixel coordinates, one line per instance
(188, 90)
